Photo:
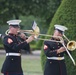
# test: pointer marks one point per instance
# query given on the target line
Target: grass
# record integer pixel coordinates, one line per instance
(31, 64)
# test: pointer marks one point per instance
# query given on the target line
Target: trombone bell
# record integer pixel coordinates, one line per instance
(35, 31)
(71, 45)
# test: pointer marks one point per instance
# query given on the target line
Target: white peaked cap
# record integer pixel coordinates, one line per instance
(13, 22)
(60, 27)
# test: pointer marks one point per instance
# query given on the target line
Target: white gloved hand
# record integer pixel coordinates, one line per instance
(31, 38)
(60, 50)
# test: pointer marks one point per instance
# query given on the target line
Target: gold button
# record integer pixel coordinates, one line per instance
(53, 47)
(58, 55)
(12, 59)
(50, 62)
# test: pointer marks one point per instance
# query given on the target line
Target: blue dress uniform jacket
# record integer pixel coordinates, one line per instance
(54, 66)
(12, 64)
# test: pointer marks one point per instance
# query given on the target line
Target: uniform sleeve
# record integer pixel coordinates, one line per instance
(27, 47)
(47, 50)
(9, 42)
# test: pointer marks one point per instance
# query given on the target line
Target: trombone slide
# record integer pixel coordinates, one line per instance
(69, 55)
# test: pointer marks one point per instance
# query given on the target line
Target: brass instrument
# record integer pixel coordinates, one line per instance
(36, 31)
(7, 31)
(71, 45)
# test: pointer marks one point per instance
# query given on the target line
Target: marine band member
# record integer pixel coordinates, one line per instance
(54, 51)
(13, 46)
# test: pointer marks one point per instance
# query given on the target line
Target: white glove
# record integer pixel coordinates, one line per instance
(31, 38)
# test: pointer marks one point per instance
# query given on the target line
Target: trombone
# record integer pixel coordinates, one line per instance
(70, 46)
(38, 34)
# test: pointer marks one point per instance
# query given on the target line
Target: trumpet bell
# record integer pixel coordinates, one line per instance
(71, 45)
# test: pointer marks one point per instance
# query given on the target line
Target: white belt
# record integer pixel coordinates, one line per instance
(13, 54)
(56, 58)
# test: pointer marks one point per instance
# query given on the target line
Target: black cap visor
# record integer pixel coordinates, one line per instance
(15, 26)
(60, 31)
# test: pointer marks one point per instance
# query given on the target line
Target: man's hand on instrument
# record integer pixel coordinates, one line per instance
(60, 50)
(23, 36)
(30, 39)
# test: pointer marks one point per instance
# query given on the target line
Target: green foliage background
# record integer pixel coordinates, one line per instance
(65, 15)
(41, 11)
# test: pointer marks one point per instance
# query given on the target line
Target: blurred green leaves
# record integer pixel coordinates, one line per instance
(13, 9)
